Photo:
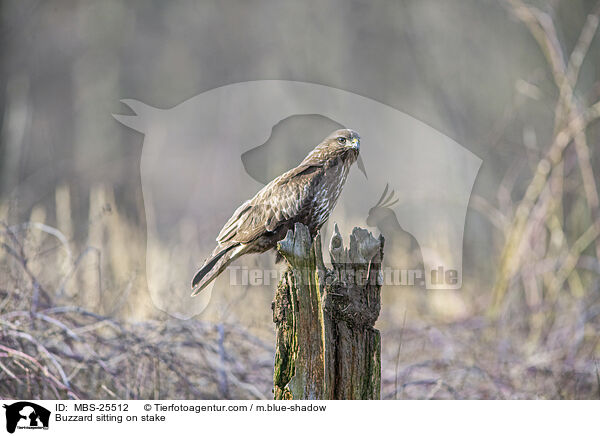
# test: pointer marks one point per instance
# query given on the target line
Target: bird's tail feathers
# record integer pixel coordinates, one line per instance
(215, 265)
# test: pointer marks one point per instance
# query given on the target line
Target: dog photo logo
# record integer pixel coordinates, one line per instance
(206, 155)
(26, 415)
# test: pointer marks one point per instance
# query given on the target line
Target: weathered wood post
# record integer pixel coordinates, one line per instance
(326, 346)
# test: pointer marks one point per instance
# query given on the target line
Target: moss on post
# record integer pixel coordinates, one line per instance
(326, 346)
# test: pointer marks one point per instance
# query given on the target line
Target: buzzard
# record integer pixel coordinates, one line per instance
(306, 194)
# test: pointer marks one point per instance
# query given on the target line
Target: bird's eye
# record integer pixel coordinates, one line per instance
(341, 140)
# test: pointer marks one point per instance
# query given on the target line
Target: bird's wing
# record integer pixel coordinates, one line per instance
(282, 199)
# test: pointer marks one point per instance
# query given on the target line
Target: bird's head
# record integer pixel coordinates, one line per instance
(382, 214)
(344, 139)
(342, 145)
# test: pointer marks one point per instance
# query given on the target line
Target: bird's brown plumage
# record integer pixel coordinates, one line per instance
(305, 194)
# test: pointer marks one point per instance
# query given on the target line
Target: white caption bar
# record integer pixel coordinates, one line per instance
(294, 417)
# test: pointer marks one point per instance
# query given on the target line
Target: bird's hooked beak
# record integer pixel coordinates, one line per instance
(355, 143)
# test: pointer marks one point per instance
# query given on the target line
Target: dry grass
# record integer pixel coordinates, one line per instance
(49, 350)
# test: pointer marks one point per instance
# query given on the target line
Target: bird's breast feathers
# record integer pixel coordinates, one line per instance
(327, 195)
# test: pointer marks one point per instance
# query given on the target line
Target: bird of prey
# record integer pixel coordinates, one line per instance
(306, 194)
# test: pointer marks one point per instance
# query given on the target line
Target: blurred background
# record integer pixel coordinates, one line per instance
(516, 83)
